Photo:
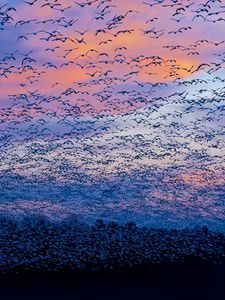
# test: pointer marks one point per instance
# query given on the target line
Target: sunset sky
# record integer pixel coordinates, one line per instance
(117, 104)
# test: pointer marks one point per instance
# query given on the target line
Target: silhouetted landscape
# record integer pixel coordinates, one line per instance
(70, 259)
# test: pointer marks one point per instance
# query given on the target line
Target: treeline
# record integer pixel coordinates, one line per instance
(36, 243)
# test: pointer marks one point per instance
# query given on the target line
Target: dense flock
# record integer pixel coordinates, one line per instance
(36, 244)
(112, 109)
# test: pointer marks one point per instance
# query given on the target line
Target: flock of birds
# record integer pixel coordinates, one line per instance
(39, 245)
(113, 109)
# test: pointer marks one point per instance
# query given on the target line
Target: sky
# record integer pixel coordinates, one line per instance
(113, 109)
